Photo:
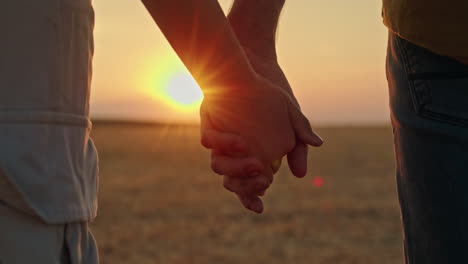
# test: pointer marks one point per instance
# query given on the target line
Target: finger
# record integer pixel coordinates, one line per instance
(227, 143)
(302, 127)
(250, 186)
(237, 167)
(297, 160)
(252, 203)
(213, 139)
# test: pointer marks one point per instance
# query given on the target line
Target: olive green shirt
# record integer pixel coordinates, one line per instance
(439, 26)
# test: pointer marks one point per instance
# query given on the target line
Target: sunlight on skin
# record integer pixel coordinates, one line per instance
(166, 80)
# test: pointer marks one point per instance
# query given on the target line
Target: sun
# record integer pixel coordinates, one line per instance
(182, 90)
(170, 83)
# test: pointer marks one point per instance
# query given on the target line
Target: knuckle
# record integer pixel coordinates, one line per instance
(215, 167)
(307, 126)
(204, 141)
(227, 185)
(264, 184)
(290, 146)
(306, 121)
(228, 143)
(270, 180)
(244, 200)
(254, 186)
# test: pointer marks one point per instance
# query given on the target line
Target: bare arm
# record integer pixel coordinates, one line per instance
(255, 24)
(262, 113)
(202, 37)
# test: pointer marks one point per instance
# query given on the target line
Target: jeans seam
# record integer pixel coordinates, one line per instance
(406, 219)
(404, 212)
(456, 121)
(407, 69)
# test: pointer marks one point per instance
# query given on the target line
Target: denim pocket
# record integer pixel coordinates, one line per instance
(438, 85)
(441, 99)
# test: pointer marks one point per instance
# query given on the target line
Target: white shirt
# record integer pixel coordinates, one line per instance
(46, 155)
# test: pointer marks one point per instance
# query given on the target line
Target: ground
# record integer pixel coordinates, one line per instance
(160, 203)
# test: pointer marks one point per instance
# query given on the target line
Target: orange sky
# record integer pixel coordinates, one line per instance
(332, 51)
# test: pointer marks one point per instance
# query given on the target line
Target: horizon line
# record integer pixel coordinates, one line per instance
(148, 122)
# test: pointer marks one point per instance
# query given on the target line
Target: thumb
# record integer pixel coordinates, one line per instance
(297, 160)
(302, 127)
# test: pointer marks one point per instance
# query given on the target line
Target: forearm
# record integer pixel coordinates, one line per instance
(255, 24)
(201, 36)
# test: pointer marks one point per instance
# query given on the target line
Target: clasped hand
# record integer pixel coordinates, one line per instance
(249, 128)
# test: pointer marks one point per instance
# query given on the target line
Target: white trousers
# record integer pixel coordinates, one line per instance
(25, 239)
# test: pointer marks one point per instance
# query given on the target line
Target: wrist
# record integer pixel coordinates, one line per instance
(231, 84)
(255, 22)
(261, 43)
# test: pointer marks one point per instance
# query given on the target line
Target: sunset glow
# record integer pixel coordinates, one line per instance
(332, 52)
(183, 90)
(170, 85)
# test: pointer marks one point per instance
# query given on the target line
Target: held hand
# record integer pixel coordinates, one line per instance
(270, 121)
(267, 66)
(259, 46)
(230, 156)
(263, 114)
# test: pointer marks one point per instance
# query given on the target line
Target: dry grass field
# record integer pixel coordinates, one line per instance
(160, 203)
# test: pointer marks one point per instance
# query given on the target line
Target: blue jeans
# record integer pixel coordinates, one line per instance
(429, 111)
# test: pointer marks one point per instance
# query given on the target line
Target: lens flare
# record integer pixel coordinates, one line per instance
(317, 182)
(166, 79)
(183, 90)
